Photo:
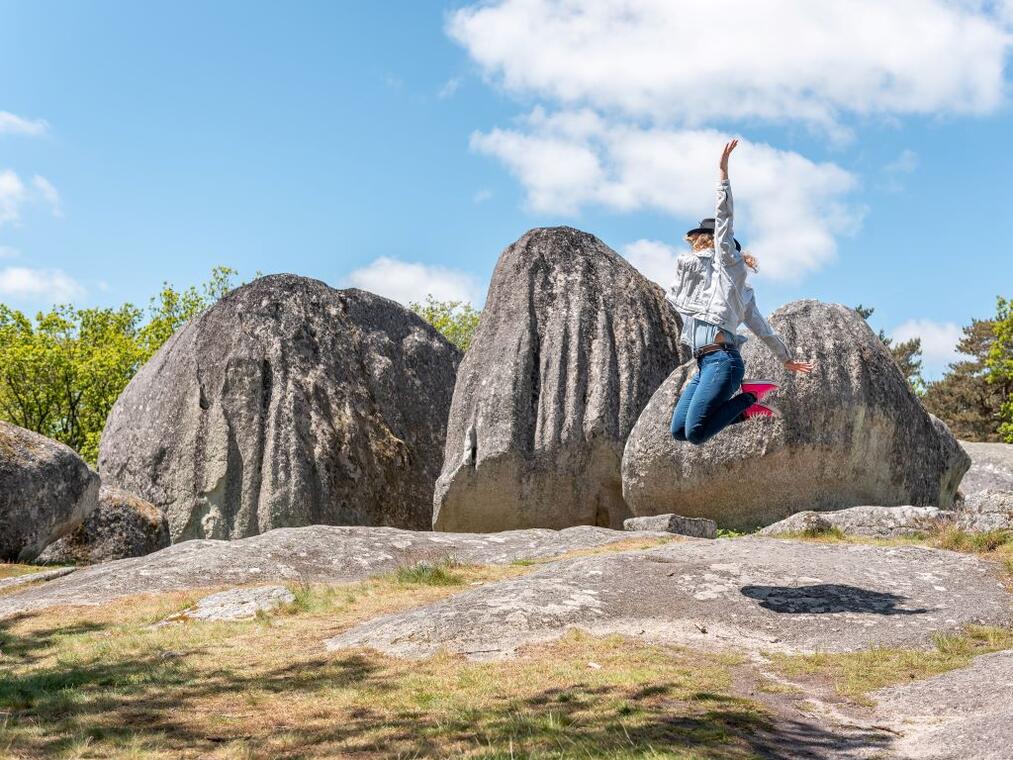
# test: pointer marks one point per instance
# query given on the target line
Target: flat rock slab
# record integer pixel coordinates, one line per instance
(28, 578)
(318, 553)
(239, 603)
(987, 510)
(755, 593)
(965, 713)
(881, 522)
(697, 527)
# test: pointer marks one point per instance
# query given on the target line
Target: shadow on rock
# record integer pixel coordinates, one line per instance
(826, 598)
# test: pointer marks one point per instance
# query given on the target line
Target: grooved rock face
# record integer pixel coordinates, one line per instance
(852, 434)
(571, 345)
(288, 403)
(122, 526)
(46, 491)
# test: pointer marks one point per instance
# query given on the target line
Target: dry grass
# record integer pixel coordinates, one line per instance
(102, 682)
(855, 674)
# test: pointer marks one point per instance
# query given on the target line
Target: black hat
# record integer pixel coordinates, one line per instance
(707, 225)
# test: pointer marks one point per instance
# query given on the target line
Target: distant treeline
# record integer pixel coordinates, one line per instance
(61, 371)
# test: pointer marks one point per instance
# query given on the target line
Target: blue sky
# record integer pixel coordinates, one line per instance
(401, 145)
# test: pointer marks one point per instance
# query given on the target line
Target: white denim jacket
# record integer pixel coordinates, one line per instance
(710, 285)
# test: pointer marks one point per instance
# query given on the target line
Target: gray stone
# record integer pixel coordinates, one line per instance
(753, 593)
(37, 577)
(318, 554)
(991, 467)
(288, 403)
(987, 510)
(571, 345)
(882, 522)
(697, 527)
(122, 526)
(957, 715)
(46, 491)
(852, 433)
(239, 603)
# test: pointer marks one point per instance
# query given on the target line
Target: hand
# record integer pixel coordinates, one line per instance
(729, 147)
(803, 368)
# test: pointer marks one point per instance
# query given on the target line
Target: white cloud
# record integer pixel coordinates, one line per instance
(449, 87)
(12, 124)
(6, 252)
(654, 259)
(482, 195)
(13, 194)
(783, 60)
(905, 163)
(42, 285)
(405, 281)
(788, 208)
(939, 342)
(48, 193)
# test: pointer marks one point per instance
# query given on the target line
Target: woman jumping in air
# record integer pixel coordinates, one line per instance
(711, 295)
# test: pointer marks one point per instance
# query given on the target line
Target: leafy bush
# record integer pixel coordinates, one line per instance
(456, 320)
(61, 372)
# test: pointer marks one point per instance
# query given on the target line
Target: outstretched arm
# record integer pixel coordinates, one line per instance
(761, 328)
(724, 239)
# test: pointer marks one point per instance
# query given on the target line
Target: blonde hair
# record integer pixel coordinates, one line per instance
(703, 240)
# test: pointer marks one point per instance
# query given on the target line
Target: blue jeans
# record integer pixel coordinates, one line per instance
(706, 407)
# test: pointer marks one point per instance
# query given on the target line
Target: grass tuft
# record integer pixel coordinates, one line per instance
(831, 532)
(428, 574)
(955, 539)
(855, 674)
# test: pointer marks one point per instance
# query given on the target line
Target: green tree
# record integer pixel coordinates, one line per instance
(456, 320)
(61, 372)
(999, 365)
(907, 354)
(171, 308)
(964, 398)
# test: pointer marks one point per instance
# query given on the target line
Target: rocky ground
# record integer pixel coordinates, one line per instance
(729, 648)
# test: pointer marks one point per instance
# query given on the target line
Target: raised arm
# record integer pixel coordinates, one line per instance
(724, 239)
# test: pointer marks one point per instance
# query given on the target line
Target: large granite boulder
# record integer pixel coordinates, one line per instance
(287, 403)
(571, 345)
(991, 467)
(122, 526)
(852, 434)
(46, 491)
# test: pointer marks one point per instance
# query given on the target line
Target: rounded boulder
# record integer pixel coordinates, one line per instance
(122, 526)
(288, 403)
(46, 491)
(852, 433)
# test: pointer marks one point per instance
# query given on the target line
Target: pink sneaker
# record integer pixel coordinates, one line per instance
(759, 388)
(762, 410)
